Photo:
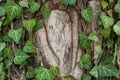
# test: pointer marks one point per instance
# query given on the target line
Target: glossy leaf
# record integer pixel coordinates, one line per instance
(20, 56)
(24, 3)
(98, 49)
(34, 6)
(84, 41)
(93, 36)
(29, 47)
(38, 26)
(87, 14)
(68, 2)
(116, 28)
(30, 72)
(29, 25)
(15, 35)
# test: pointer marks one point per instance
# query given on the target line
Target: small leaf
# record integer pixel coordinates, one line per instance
(87, 14)
(6, 38)
(86, 77)
(29, 47)
(93, 36)
(20, 56)
(8, 64)
(15, 35)
(34, 6)
(84, 41)
(54, 70)
(7, 52)
(117, 8)
(2, 46)
(2, 11)
(24, 3)
(45, 12)
(29, 25)
(98, 49)
(104, 4)
(12, 10)
(105, 68)
(105, 32)
(38, 26)
(43, 74)
(85, 61)
(2, 73)
(30, 72)
(68, 2)
(110, 12)
(116, 28)
(106, 20)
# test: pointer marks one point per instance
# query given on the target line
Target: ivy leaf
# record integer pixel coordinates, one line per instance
(105, 68)
(12, 10)
(85, 61)
(54, 70)
(104, 4)
(20, 56)
(45, 12)
(6, 38)
(29, 24)
(117, 8)
(2, 73)
(93, 36)
(84, 41)
(2, 46)
(43, 74)
(29, 47)
(8, 53)
(110, 1)
(106, 20)
(24, 3)
(15, 35)
(0, 24)
(98, 49)
(38, 26)
(2, 11)
(116, 28)
(68, 2)
(8, 64)
(105, 32)
(34, 6)
(86, 77)
(30, 72)
(110, 12)
(87, 14)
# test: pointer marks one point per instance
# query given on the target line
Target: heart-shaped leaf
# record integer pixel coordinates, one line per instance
(87, 14)
(2, 46)
(29, 25)
(34, 6)
(93, 36)
(104, 4)
(116, 28)
(45, 12)
(20, 56)
(15, 35)
(24, 3)
(29, 47)
(2, 11)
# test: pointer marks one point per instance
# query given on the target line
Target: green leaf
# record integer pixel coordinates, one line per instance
(20, 57)
(43, 1)
(2, 46)
(110, 12)
(8, 64)
(116, 28)
(43, 74)
(29, 24)
(15, 35)
(104, 4)
(6, 38)
(7, 52)
(98, 49)
(24, 3)
(110, 1)
(12, 10)
(86, 77)
(0, 24)
(87, 14)
(38, 26)
(106, 20)
(45, 12)
(68, 2)
(93, 36)
(105, 32)
(85, 61)
(84, 41)
(29, 47)
(105, 68)
(34, 6)
(2, 73)
(54, 70)
(30, 72)
(2, 11)
(117, 8)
